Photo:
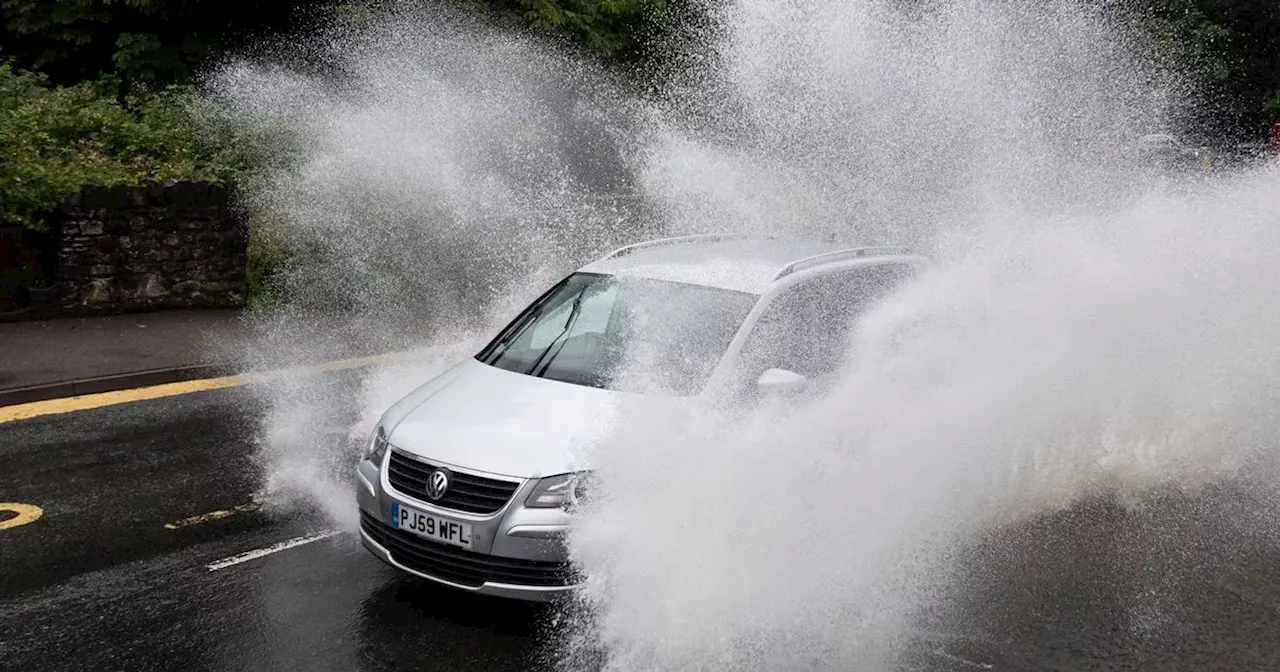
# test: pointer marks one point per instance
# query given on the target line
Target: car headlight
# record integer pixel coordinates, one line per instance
(555, 492)
(377, 446)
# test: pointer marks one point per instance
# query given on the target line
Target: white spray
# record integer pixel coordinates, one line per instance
(1088, 329)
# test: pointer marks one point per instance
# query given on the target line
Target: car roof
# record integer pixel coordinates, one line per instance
(738, 263)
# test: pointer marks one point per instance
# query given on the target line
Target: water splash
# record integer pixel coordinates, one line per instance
(439, 161)
(1090, 329)
(879, 120)
(445, 171)
(1059, 351)
(1058, 363)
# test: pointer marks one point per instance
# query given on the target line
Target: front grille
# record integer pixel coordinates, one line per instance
(473, 494)
(459, 565)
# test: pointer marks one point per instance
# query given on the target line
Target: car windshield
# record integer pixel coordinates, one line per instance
(623, 333)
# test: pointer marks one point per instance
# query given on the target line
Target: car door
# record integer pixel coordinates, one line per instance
(807, 329)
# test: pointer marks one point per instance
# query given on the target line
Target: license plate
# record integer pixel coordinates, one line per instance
(431, 527)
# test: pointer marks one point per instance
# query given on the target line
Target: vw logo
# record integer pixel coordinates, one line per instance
(437, 484)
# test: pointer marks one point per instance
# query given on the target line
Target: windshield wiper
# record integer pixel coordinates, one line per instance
(559, 340)
(518, 331)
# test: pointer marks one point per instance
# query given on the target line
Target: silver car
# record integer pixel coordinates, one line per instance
(470, 480)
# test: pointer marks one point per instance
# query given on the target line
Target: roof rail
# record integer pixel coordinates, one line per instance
(839, 255)
(676, 240)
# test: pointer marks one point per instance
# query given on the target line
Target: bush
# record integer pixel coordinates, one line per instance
(53, 140)
(267, 259)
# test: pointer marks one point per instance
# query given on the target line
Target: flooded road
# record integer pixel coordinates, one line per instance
(151, 554)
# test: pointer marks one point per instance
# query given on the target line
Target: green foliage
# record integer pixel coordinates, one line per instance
(1194, 39)
(1233, 49)
(152, 42)
(267, 258)
(614, 28)
(1273, 106)
(55, 139)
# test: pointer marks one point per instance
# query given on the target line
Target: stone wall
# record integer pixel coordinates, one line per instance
(170, 245)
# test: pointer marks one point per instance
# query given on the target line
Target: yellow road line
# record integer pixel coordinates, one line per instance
(87, 401)
(213, 515)
(27, 513)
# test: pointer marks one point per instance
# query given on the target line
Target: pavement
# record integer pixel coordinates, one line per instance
(74, 356)
(65, 357)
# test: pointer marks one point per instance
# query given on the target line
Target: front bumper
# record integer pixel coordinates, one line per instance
(516, 552)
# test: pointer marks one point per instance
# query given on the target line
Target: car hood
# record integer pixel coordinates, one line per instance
(477, 416)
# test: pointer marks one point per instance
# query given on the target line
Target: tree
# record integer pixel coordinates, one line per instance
(1232, 47)
(614, 28)
(1252, 46)
(147, 42)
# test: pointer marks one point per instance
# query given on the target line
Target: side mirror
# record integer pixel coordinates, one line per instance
(780, 382)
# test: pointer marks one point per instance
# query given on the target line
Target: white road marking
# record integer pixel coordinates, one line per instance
(274, 548)
(957, 659)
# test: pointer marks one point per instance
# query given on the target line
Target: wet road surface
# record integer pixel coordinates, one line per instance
(99, 582)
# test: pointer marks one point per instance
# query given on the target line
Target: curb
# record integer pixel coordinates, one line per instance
(178, 374)
(112, 383)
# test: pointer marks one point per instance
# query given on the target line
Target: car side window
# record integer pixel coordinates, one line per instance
(808, 328)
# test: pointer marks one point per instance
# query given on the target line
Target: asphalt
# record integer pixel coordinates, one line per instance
(99, 583)
(1181, 581)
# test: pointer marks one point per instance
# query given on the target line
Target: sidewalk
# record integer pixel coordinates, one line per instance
(72, 356)
(64, 357)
